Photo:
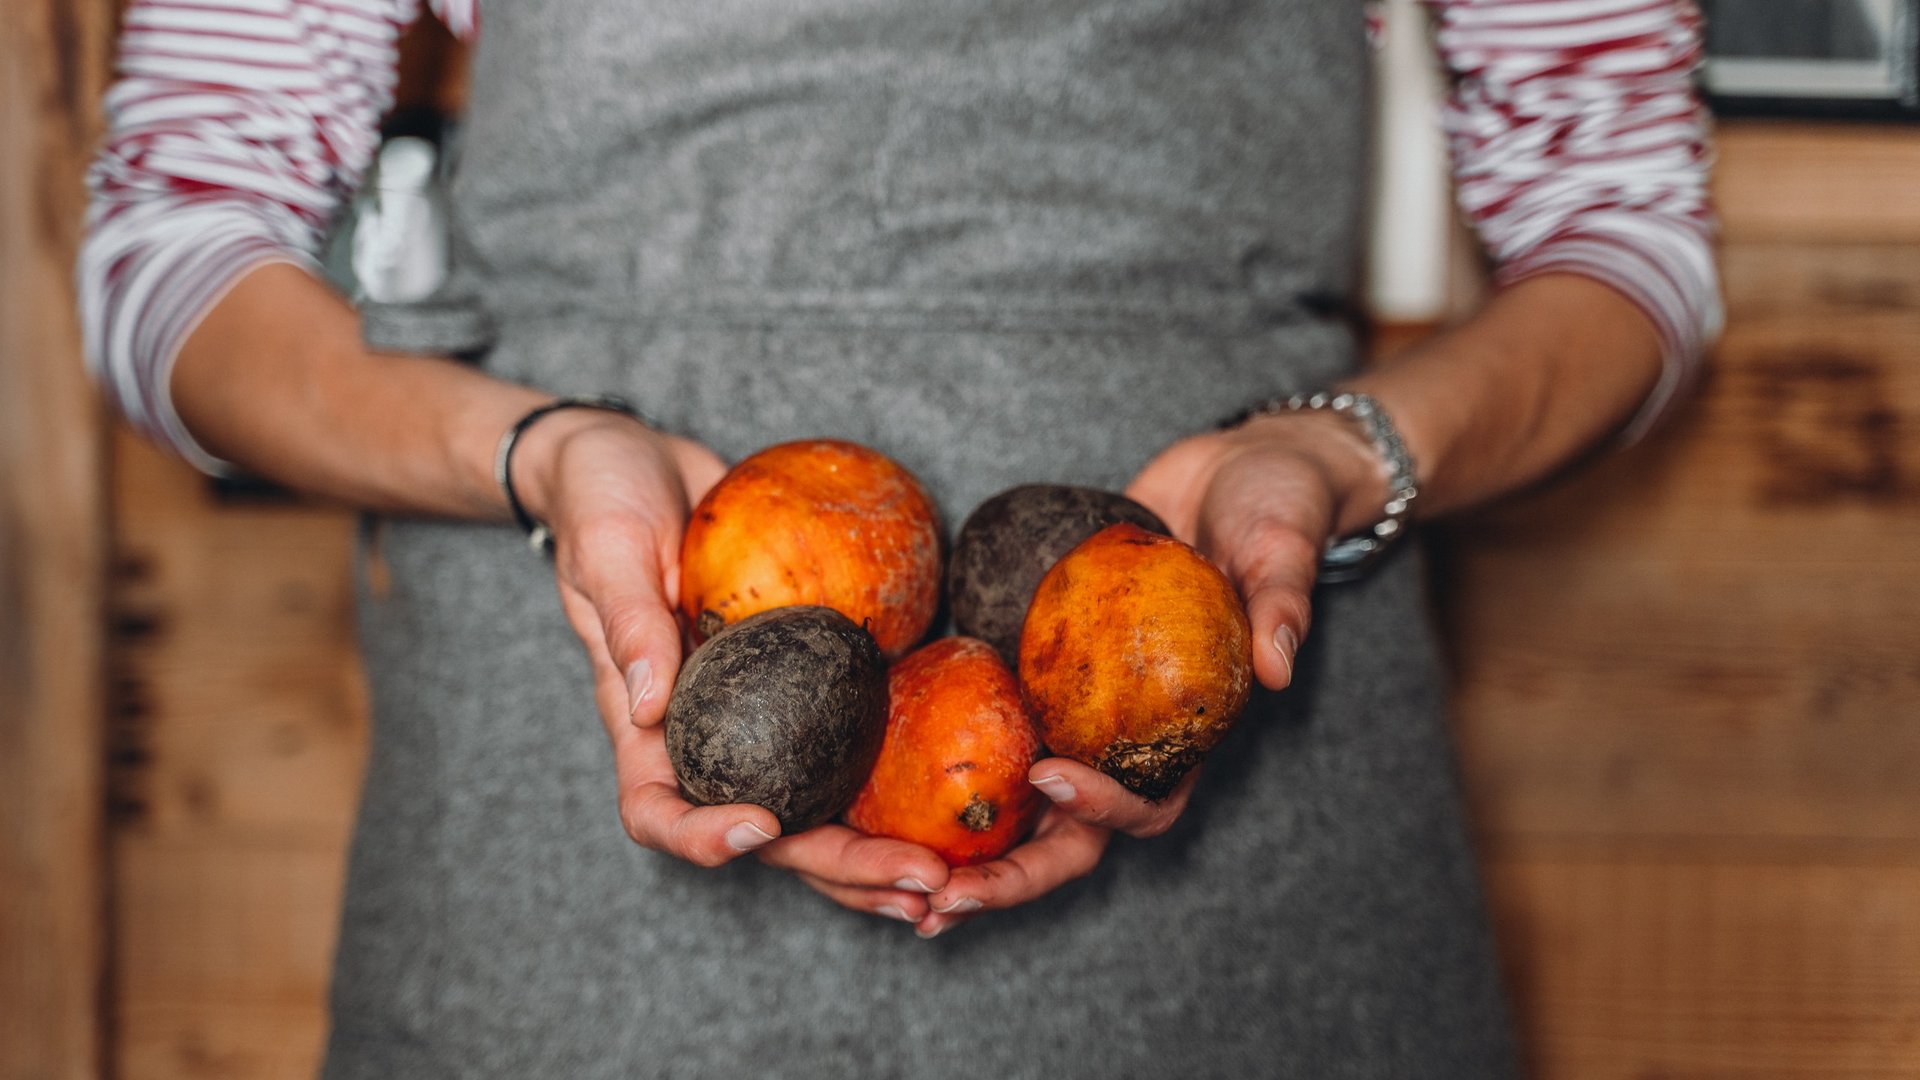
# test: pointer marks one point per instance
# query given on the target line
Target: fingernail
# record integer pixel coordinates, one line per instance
(894, 911)
(1055, 788)
(960, 906)
(746, 836)
(1287, 644)
(912, 884)
(929, 935)
(639, 684)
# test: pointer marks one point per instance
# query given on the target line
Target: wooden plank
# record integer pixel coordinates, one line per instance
(1820, 183)
(242, 707)
(1687, 676)
(52, 555)
(1768, 280)
(240, 734)
(1712, 635)
(224, 969)
(1629, 965)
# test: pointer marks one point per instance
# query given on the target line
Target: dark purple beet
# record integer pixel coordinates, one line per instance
(1010, 542)
(785, 709)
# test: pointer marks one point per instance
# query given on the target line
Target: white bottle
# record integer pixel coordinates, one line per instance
(400, 239)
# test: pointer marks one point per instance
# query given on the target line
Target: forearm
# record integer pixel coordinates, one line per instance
(1579, 150)
(1550, 368)
(275, 379)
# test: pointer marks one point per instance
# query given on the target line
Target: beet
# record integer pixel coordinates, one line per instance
(953, 768)
(1010, 542)
(818, 521)
(1136, 658)
(785, 709)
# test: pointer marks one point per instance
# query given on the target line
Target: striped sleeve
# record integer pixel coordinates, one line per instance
(236, 129)
(1580, 145)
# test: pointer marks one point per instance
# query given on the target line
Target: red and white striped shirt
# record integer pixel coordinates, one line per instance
(238, 127)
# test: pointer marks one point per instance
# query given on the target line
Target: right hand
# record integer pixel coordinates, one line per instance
(1067, 842)
(616, 495)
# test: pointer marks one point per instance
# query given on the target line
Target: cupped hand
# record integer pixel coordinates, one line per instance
(1260, 501)
(616, 495)
(1088, 807)
(873, 874)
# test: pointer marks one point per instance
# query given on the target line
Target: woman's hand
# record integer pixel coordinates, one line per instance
(1260, 501)
(1088, 808)
(904, 881)
(876, 875)
(617, 496)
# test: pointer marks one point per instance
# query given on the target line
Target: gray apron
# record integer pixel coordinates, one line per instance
(1001, 242)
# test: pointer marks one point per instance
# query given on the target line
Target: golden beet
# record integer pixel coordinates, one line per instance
(952, 773)
(815, 522)
(1135, 657)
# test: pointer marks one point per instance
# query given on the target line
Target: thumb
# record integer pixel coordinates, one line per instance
(638, 635)
(1274, 566)
(643, 642)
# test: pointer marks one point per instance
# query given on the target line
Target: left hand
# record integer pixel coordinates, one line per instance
(1261, 501)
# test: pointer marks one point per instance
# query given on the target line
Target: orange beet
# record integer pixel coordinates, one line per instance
(952, 773)
(1135, 657)
(815, 522)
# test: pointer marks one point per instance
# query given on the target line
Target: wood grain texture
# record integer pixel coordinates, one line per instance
(1818, 183)
(239, 731)
(1632, 963)
(1712, 635)
(226, 956)
(1688, 674)
(52, 555)
(241, 703)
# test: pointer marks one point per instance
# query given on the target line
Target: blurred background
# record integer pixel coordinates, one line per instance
(1687, 677)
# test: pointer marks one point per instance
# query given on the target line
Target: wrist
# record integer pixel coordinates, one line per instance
(540, 456)
(1334, 447)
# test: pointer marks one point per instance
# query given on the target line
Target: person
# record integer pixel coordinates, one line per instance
(1050, 240)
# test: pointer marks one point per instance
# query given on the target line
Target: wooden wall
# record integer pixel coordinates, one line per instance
(238, 729)
(1688, 686)
(52, 553)
(1689, 680)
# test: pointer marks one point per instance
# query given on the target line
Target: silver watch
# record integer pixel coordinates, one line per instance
(1350, 557)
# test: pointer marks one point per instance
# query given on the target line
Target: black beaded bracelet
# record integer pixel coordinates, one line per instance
(539, 536)
(1350, 557)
